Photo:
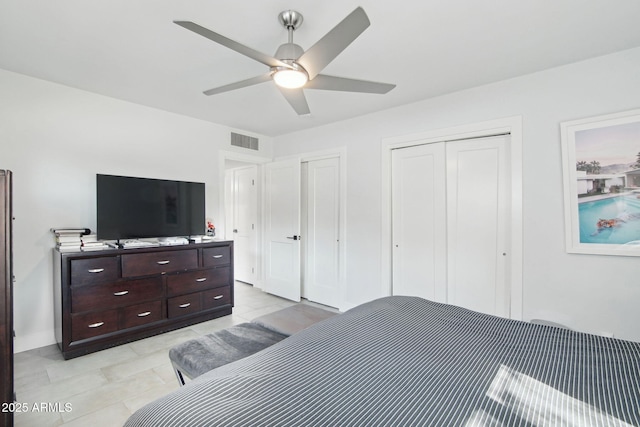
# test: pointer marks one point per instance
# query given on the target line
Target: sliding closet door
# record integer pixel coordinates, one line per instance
(477, 232)
(419, 221)
(451, 222)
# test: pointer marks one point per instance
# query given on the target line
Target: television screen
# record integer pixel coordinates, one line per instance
(131, 208)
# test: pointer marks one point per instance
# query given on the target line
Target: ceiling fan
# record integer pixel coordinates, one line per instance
(294, 69)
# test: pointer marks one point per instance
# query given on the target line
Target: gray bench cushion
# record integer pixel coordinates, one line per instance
(197, 356)
(293, 319)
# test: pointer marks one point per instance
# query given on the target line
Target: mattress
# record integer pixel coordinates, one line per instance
(407, 361)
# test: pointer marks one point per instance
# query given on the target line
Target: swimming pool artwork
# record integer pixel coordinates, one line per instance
(612, 221)
(601, 179)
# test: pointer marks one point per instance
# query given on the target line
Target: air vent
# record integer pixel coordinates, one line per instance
(244, 141)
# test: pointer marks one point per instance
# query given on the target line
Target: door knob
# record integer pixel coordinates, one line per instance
(294, 237)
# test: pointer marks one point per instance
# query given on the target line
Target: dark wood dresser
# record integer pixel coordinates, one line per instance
(111, 297)
(6, 299)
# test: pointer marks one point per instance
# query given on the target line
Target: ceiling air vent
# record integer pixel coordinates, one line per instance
(244, 141)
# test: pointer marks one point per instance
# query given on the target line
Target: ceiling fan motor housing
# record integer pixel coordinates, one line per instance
(289, 52)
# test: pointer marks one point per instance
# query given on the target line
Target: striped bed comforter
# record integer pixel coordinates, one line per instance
(406, 361)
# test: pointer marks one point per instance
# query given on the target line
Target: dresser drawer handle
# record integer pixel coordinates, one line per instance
(145, 314)
(217, 256)
(96, 325)
(185, 305)
(218, 297)
(163, 262)
(121, 293)
(202, 279)
(96, 270)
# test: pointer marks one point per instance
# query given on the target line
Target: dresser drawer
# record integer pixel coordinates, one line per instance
(93, 324)
(117, 294)
(216, 297)
(212, 257)
(94, 270)
(140, 314)
(184, 304)
(193, 281)
(145, 264)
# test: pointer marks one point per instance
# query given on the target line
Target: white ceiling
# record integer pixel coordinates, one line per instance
(131, 50)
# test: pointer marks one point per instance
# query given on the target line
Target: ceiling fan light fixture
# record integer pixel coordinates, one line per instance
(292, 68)
(290, 78)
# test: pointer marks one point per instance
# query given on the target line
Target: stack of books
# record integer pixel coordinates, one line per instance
(90, 243)
(69, 239)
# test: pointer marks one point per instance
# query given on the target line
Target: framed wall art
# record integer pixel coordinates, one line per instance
(601, 166)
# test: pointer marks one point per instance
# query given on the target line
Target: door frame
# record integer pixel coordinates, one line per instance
(510, 125)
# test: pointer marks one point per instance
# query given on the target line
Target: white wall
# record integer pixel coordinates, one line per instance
(55, 139)
(586, 292)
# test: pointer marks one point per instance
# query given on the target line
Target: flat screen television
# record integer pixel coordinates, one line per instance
(132, 208)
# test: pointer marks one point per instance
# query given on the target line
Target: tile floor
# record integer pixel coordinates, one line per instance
(105, 388)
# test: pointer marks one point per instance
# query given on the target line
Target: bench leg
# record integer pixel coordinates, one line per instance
(179, 375)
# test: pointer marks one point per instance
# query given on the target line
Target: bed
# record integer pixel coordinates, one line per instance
(407, 361)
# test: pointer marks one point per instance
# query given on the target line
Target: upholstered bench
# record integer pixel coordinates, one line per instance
(293, 319)
(197, 356)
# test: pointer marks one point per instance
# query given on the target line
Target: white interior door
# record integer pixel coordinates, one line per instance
(245, 214)
(321, 239)
(419, 221)
(451, 222)
(477, 203)
(282, 229)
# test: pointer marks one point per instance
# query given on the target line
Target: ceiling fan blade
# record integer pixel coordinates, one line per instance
(233, 45)
(296, 98)
(238, 85)
(335, 41)
(324, 82)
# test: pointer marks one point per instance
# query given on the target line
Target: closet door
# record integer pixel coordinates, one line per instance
(321, 220)
(419, 221)
(451, 222)
(478, 224)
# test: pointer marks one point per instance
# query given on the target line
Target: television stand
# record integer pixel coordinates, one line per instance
(112, 297)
